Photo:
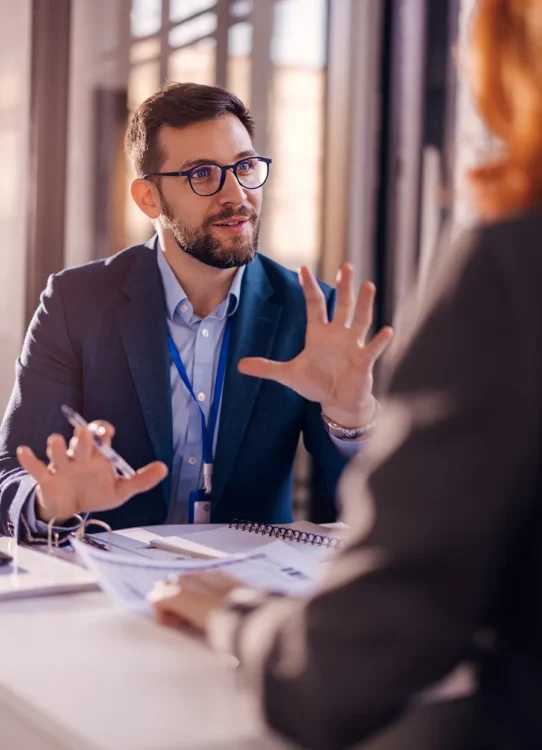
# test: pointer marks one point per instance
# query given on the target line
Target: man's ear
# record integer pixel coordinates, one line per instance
(146, 196)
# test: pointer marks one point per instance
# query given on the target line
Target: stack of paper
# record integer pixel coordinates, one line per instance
(129, 579)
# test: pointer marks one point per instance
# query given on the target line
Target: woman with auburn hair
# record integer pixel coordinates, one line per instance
(444, 565)
(506, 62)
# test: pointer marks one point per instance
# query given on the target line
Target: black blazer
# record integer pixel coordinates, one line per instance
(98, 342)
(445, 563)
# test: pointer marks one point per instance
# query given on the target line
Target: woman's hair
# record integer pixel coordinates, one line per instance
(505, 58)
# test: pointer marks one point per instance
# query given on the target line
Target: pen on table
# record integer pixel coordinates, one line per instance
(188, 550)
(76, 420)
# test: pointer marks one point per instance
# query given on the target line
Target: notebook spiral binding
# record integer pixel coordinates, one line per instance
(290, 535)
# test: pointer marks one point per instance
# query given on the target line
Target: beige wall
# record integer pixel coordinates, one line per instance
(99, 58)
(15, 30)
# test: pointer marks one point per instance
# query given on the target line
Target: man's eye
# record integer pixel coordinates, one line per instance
(247, 166)
(201, 174)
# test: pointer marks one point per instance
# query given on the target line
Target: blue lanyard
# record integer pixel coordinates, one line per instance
(207, 430)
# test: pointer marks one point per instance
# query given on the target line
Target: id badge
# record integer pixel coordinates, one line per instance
(199, 507)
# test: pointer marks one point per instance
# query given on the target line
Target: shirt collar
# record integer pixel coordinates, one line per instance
(176, 296)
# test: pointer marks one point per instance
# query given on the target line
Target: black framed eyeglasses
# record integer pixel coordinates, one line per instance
(207, 179)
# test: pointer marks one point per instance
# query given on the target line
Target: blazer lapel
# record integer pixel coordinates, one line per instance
(254, 329)
(143, 327)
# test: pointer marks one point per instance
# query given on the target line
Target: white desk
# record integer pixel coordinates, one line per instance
(76, 673)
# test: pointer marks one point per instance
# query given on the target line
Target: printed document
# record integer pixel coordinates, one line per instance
(128, 580)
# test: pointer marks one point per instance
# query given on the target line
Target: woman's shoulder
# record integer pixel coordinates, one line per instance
(505, 245)
(518, 232)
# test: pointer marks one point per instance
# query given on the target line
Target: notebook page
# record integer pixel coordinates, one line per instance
(233, 541)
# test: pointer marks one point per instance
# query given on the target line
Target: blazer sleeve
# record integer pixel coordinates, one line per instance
(48, 374)
(433, 523)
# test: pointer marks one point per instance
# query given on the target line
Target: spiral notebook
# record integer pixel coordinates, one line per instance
(244, 536)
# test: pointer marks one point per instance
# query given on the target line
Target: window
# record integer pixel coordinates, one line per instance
(195, 63)
(296, 132)
(179, 10)
(239, 60)
(146, 17)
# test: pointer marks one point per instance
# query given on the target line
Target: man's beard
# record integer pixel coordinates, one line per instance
(200, 243)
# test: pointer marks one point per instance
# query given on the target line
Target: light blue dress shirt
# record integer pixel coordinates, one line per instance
(198, 341)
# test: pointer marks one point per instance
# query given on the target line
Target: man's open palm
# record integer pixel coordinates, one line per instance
(336, 366)
(80, 479)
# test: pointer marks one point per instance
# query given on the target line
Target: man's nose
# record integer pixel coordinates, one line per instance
(231, 192)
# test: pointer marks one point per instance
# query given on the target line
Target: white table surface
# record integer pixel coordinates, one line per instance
(77, 673)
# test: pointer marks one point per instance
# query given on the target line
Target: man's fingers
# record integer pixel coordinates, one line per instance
(145, 479)
(32, 464)
(344, 308)
(258, 367)
(314, 297)
(56, 451)
(103, 430)
(363, 314)
(378, 345)
(81, 444)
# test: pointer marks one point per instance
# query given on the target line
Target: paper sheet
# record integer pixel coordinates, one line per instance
(128, 580)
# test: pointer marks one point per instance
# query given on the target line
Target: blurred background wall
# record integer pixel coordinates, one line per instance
(361, 96)
(15, 56)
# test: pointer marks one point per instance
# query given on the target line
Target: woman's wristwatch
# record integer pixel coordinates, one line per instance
(351, 433)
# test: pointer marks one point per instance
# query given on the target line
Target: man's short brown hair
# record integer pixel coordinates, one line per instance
(177, 105)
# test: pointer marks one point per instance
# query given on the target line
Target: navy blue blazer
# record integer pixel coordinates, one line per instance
(98, 343)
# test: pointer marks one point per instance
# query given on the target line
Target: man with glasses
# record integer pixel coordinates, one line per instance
(159, 341)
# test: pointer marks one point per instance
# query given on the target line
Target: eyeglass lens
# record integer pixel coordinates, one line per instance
(251, 174)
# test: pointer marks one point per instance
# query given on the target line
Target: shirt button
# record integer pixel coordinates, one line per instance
(192, 460)
(184, 308)
(205, 333)
(201, 396)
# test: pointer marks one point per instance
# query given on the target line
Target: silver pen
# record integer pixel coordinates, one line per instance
(76, 420)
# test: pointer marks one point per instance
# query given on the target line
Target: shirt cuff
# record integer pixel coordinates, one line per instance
(347, 448)
(29, 512)
(40, 528)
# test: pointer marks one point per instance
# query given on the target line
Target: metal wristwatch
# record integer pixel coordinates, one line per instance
(351, 433)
